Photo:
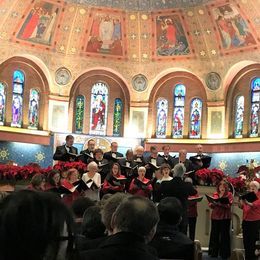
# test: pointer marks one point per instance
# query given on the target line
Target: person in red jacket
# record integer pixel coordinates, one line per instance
(219, 243)
(114, 182)
(251, 221)
(140, 185)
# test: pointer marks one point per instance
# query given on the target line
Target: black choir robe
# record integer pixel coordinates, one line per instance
(61, 153)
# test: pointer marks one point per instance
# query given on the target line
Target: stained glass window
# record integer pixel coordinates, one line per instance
(178, 112)
(161, 123)
(34, 109)
(118, 112)
(79, 116)
(2, 102)
(239, 116)
(98, 111)
(195, 118)
(255, 99)
(17, 103)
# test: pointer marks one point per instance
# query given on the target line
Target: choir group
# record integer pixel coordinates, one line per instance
(156, 177)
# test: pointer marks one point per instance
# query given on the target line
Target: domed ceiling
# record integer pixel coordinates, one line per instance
(142, 5)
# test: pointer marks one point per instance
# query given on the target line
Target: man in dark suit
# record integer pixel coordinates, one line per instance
(201, 160)
(134, 225)
(89, 152)
(179, 189)
(152, 162)
(66, 152)
(166, 155)
(113, 155)
(168, 240)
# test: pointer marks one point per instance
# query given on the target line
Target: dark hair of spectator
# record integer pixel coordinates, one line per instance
(80, 205)
(170, 210)
(31, 227)
(92, 226)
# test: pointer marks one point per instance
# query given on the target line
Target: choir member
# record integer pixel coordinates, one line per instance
(153, 161)
(220, 221)
(166, 155)
(251, 221)
(156, 183)
(165, 170)
(179, 189)
(139, 156)
(113, 155)
(93, 181)
(89, 152)
(192, 212)
(103, 164)
(141, 186)
(66, 152)
(53, 180)
(201, 160)
(114, 182)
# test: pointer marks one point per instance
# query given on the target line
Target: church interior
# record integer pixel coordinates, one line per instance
(138, 72)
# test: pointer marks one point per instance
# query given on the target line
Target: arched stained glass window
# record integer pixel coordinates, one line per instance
(178, 112)
(98, 109)
(255, 99)
(195, 118)
(118, 112)
(2, 102)
(239, 116)
(161, 119)
(34, 109)
(17, 104)
(79, 115)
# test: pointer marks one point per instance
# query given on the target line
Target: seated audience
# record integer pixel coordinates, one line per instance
(114, 182)
(35, 226)
(168, 240)
(78, 208)
(251, 222)
(130, 233)
(92, 226)
(140, 185)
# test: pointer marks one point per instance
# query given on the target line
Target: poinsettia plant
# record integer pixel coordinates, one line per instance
(64, 166)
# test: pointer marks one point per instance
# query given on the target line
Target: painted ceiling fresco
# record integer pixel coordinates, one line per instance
(142, 4)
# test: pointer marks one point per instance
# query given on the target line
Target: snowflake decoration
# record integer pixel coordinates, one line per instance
(4, 154)
(222, 165)
(39, 157)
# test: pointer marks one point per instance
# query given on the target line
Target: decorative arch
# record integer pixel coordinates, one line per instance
(117, 89)
(35, 78)
(165, 86)
(240, 85)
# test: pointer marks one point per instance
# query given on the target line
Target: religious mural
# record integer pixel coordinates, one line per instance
(40, 23)
(233, 28)
(170, 38)
(105, 33)
(99, 105)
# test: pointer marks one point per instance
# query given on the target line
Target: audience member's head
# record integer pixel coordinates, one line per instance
(170, 211)
(109, 208)
(92, 226)
(179, 170)
(38, 182)
(189, 180)
(80, 205)
(137, 215)
(35, 226)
